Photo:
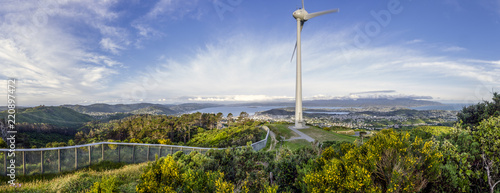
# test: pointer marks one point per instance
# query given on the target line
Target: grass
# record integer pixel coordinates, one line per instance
(322, 135)
(296, 144)
(346, 132)
(282, 130)
(81, 180)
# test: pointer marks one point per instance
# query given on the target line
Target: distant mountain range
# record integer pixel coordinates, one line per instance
(139, 108)
(368, 102)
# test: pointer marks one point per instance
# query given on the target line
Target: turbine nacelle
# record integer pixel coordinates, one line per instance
(300, 14)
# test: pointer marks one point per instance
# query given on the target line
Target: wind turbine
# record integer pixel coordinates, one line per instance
(302, 16)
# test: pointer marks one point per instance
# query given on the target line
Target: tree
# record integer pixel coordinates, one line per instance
(243, 117)
(488, 136)
(472, 115)
(3, 144)
(218, 119)
(229, 119)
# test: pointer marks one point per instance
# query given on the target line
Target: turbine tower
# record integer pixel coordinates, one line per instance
(302, 16)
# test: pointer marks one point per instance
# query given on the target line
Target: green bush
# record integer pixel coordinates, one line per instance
(388, 162)
(168, 175)
(106, 185)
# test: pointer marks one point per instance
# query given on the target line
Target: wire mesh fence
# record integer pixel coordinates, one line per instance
(61, 159)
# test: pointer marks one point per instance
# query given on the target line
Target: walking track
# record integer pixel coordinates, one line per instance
(302, 135)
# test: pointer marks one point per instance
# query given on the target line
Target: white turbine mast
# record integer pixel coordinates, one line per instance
(302, 16)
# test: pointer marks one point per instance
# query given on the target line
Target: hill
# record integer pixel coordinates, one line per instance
(56, 116)
(154, 110)
(139, 108)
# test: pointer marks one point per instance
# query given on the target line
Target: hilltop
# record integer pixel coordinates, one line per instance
(56, 116)
(139, 108)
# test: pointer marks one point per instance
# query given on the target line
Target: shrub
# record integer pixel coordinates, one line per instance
(389, 162)
(106, 185)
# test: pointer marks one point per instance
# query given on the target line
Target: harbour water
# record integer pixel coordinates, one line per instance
(251, 110)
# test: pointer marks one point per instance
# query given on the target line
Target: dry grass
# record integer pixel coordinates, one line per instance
(81, 181)
(348, 132)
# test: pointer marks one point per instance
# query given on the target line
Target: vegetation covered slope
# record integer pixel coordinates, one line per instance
(196, 129)
(40, 125)
(56, 116)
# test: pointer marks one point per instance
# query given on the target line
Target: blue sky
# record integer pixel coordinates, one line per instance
(171, 51)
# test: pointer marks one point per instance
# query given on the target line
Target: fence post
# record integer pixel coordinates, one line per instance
(24, 164)
(76, 158)
(171, 151)
(133, 154)
(147, 156)
(59, 160)
(5, 161)
(90, 155)
(41, 160)
(159, 153)
(102, 152)
(119, 147)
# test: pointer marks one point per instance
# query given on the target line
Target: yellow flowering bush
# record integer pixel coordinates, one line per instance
(160, 176)
(389, 162)
(167, 175)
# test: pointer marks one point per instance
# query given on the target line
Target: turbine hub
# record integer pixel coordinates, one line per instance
(300, 14)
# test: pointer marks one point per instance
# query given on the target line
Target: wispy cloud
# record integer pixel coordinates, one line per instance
(174, 9)
(238, 66)
(108, 45)
(162, 12)
(414, 41)
(47, 60)
(454, 49)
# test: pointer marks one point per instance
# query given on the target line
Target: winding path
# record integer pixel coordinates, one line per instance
(302, 135)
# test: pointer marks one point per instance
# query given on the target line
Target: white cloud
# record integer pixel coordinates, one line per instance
(162, 12)
(259, 67)
(457, 69)
(239, 98)
(51, 64)
(108, 45)
(454, 49)
(414, 41)
(174, 9)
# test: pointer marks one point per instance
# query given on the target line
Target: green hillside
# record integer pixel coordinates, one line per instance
(139, 108)
(57, 116)
(106, 108)
(154, 110)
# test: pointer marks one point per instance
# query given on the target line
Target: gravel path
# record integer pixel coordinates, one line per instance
(273, 140)
(302, 135)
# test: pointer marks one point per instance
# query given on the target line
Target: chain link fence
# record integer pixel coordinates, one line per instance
(61, 159)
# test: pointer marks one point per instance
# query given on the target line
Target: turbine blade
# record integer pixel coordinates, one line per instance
(316, 14)
(302, 24)
(303, 4)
